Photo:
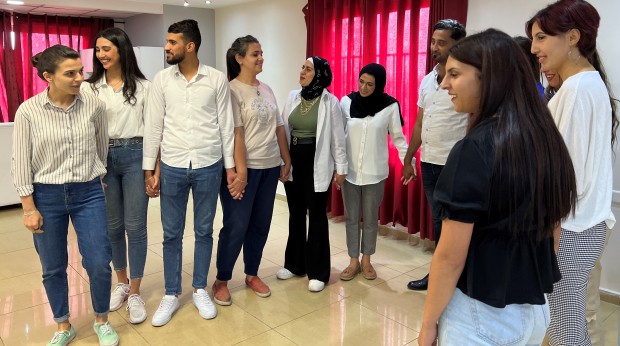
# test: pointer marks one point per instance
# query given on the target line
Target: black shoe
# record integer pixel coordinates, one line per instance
(419, 285)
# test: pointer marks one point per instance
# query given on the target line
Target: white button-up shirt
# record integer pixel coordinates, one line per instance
(442, 126)
(125, 120)
(191, 120)
(367, 145)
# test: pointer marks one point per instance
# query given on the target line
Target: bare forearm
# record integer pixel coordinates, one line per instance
(27, 203)
(414, 144)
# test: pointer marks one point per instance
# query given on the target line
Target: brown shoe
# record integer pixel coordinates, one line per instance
(258, 286)
(368, 272)
(349, 273)
(221, 295)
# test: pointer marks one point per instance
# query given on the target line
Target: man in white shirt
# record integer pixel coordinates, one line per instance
(188, 118)
(438, 126)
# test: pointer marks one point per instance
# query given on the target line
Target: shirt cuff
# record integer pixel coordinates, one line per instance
(148, 163)
(229, 162)
(342, 169)
(25, 190)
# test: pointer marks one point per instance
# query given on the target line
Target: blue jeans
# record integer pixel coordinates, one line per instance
(127, 205)
(467, 321)
(246, 222)
(84, 203)
(430, 175)
(175, 185)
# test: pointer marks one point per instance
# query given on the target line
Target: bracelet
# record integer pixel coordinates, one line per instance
(413, 161)
(243, 181)
(30, 213)
(151, 177)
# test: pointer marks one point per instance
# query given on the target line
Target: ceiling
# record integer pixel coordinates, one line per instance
(108, 8)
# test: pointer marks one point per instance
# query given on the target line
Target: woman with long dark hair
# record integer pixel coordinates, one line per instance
(118, 81)
(261, 158)
(315, 131)
(503, 192)
(59, 150)
(564, 40)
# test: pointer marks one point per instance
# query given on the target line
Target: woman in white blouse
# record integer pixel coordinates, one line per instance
(371, 115)
(118, 81)
(59, 149)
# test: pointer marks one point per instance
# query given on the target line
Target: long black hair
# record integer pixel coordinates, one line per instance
(239, 47)
(130, 71)
(530, 155)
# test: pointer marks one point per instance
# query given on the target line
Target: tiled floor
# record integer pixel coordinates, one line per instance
(358, 312)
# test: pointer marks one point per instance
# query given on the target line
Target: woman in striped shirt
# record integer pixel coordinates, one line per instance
(59, 149)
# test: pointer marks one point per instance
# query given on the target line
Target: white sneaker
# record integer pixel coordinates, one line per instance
(203, 303)
(135, 307)
(118, 296)
(167, 307)
(316, 285)
(284, 274)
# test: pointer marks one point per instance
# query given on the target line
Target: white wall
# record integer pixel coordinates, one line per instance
(151, 29)
(280, 27)
(508, 16)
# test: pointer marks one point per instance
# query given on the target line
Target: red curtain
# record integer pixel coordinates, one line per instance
(33, 34)
(444, 9)
(351, 34)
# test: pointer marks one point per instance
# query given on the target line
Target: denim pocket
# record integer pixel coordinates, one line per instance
(498, 326)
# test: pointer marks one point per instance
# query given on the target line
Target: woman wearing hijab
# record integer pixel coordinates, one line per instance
(315, 132)
(371, 115)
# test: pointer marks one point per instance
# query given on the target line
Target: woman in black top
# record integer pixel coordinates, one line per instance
(503, 192)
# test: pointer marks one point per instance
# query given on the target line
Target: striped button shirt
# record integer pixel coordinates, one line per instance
(52, 145)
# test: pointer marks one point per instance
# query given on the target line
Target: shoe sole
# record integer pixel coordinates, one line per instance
(113, 308)
(139, 321)
(223, 302)
(262, 295)
(166, 322)
(370, 277)
(206, 317)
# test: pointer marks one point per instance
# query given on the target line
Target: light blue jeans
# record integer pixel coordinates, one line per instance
(175, 186)
(467, 321)
(127, 206)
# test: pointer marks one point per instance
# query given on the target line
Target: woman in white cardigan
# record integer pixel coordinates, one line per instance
(315, 132)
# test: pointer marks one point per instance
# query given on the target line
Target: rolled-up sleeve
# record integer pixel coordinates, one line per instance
(21, 162)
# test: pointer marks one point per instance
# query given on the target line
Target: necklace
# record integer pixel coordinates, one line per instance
(115, 85)
(257, 91)
(305, 105)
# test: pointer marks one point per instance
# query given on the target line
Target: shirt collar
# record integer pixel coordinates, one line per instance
(44, 99)
(202, 70)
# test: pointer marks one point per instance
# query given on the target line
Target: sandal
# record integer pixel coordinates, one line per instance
(349, 273)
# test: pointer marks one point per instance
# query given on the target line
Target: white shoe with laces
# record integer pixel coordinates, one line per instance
(167, 307)
(118, 296)
(135, 307)
(203, 303)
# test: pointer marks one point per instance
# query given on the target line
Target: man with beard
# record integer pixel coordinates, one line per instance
(188, 118)
(438, 126)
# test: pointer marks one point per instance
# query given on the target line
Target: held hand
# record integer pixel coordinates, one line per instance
(237, 188)
(409, 173)
(231, 175)
(285, 171)
(152, 186)
(428, 336)
(33, 221)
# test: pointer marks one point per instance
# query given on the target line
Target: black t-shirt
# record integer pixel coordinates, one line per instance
(500, 269)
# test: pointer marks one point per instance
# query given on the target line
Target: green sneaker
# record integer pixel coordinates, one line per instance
(62, 338)
(107, 335)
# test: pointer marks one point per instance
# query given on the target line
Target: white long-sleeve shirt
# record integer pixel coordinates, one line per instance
(367, 145)
(331, 149)
(124, 120)
(582, 112)
(191, 120)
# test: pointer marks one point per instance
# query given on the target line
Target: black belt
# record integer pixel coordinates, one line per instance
(307, 140)
(120, 142)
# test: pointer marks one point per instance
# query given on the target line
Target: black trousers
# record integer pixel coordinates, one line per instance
(306, 252)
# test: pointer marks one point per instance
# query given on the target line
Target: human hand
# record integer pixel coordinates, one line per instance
(339, 180)
(237, 188)
(285, 171)
(409, 173)
(152, 186)
(33, 220)
(428, 335)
